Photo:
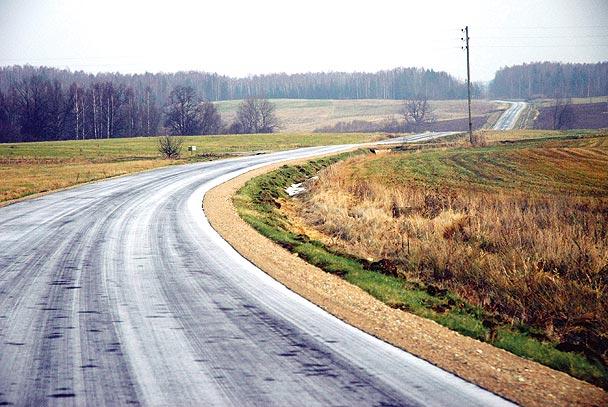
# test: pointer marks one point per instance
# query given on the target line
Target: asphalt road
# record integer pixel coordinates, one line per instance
(416, 138)
(508, 119)
(119, 292)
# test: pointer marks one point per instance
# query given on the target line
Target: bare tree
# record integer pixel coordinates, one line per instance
(211, 121)
(256, 116)
(561, 111)
(113, 101)
(150, 112)
(94, 91)
(41, 108)
(73, 100)
(132, 112)
(182, 111)
(9, 129)
(417, 111)
(185, 114)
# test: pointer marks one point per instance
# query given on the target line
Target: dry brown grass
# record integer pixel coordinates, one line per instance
(513, 135)
(25, 177)
(535, 254)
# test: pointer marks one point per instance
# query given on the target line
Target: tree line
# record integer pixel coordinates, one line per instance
(39, 103)
(39, 109)
(550, 80)
(399, 83)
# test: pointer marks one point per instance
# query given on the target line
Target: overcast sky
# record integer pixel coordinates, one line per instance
(240, 38)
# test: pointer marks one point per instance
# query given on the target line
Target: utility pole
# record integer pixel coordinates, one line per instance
(466, 46)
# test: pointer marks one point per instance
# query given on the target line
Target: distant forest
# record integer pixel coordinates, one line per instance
(550, 80)
(399, 83)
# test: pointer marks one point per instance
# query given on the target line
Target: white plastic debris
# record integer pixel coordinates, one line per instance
(295, 189)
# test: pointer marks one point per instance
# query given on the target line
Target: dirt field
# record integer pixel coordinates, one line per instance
(576, 116)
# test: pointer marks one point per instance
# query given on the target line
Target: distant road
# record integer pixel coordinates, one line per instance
(416, 138)
(508, 120)
(120, 292)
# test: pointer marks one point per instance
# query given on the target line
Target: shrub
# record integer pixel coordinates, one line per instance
(170, 147)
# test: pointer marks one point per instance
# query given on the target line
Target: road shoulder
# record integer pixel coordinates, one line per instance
(501, 372)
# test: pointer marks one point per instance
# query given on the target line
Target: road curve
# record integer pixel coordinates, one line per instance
(119, 292)
(508, 119)
(416, 138)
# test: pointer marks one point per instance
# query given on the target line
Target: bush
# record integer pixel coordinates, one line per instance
(170, 146)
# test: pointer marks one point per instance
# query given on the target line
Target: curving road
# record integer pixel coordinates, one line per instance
(508, 119)
(119, 292)
(416, 138)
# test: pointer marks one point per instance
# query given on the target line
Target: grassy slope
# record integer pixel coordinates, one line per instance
(28, 168)
(555, 166)
(307, 115)
(256, 203)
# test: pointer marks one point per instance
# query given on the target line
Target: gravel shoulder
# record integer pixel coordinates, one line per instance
(517, 379)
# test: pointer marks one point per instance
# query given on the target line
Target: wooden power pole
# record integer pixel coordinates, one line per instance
(466, 46)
